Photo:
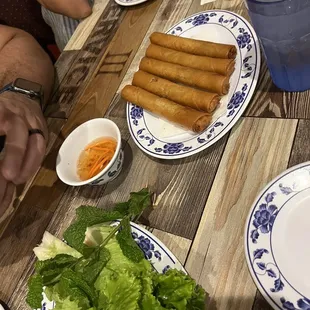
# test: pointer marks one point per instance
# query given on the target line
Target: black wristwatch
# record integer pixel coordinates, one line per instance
(30, 89)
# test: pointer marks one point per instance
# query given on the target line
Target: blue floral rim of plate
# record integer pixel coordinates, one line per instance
(248, 46)
(154, 251)
(259, 253)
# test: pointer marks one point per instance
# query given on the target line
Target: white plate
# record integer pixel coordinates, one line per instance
(162, 139)
(129, 2)
(277, 238)
(154, 250)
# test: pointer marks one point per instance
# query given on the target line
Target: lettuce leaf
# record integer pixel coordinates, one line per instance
(118, 290)
(174, 289)
(63, 303)
(123, 275)
(197, 302)
(67, 304)
(149, 301)
(52, 246)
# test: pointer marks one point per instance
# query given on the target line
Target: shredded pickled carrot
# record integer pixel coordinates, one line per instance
(95, 157)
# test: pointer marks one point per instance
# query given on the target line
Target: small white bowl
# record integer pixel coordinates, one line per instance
(69, 153)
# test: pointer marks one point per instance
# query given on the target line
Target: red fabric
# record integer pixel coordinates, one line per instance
(54, 51)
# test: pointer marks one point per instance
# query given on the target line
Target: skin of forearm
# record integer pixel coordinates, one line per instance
(77, 9)
(22, 57)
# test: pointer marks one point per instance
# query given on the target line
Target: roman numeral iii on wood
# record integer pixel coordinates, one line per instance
(114, 63)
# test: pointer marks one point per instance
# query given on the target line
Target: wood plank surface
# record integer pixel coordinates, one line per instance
(113, 65)
(85, 63)
(25, 226)
(54, 126)
(181, 186)
(201, 202)
(62, 67)
(300, 151)
(85, 28)
(57, 224)
(260, 303)
(177, 245)
(255, 153)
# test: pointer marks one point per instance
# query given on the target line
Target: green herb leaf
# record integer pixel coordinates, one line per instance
(118, 290)
(51, 276)
(122, 207)
(139, 201)
(197, 302)
(175, 289)
(90, 268)
(72, 284)
(59, 261)
(98, 215)
(129, 247)
(149, 301)
(35, 289)
(86, 217)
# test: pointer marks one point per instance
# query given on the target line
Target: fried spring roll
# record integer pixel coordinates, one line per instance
(183, 95)
(196, 47)
(193, 77)
(189, 118)
(216, 65)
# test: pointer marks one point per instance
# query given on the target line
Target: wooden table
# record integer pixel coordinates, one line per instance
(201, 202)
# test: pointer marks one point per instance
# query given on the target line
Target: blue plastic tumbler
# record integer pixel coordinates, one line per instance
(283, 27)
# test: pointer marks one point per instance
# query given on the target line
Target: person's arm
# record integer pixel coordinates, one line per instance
(77, 9)
(21, 57)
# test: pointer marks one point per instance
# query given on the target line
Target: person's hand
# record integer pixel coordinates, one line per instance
(23, 151)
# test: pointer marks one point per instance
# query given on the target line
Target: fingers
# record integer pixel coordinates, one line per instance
(7, 199)
(15, 147)
(33, 158)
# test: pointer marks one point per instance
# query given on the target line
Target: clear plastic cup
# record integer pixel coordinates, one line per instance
(283, 27)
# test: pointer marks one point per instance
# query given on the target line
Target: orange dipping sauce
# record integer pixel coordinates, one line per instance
(95, 157)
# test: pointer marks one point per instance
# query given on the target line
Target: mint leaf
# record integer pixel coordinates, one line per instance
(59, 261)
(35, 289)
(139, 201)
(90, 268)
(96, 214)
(75, 235)
(72, 284)
(86, 217)
(129, 247)
(51, 276)
(122, 207)
(66, 289)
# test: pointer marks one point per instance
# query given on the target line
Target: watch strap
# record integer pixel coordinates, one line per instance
(27, 92)
(8, 87)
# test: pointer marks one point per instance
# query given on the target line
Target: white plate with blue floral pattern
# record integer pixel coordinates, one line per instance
(129, 2)
(154, 250)
(277, 238)
(162, 139)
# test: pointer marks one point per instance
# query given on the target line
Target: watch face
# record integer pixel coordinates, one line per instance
(28, 85)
